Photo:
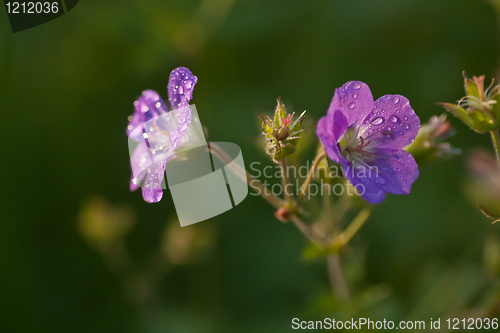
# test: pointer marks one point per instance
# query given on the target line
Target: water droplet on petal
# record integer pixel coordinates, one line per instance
(356, 85)
(407, 127)
(387, 131)
(377, 121)
(395, 100)
(405, 118)
(394, 119)
(412, 139)
(351, 105)
(355, 95)
(189, 84)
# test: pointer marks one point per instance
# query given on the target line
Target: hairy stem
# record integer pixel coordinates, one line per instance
(495, 137)
(337, 280)
(310, 175)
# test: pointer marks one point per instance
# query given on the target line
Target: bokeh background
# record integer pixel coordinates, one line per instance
(80, 253)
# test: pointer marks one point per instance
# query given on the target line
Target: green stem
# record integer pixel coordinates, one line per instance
(310, 175)
(285, 181)
(336, 276)
(495, 137)
(341, 240)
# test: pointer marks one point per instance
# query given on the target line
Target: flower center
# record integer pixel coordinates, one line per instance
(355, 148)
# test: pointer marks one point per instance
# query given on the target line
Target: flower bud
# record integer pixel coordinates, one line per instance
(429, 143)
(480, 108)
(282, 133)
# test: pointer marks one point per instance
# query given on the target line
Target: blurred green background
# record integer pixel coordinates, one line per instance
(67, 87)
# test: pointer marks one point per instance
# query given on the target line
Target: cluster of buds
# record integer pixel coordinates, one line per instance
(282, 133)
(429, 143)
(480, 108)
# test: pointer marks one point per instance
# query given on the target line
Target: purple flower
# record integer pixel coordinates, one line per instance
(368, 138)
(158, 136)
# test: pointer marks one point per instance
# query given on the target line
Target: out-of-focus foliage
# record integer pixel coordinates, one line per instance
(484, 186)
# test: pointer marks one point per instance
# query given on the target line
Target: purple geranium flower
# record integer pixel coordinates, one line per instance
(368, 138)
(158, 141)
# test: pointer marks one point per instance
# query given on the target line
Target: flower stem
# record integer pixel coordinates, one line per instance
(495, 137)
(305, 185)
(285, 181)
(341, 240)
(337, 280)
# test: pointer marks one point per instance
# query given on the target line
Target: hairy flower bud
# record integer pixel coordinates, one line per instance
(282, 133)
(480, 108)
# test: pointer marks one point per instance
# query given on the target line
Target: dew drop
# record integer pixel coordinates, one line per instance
(355, 95)
(189, 84)
(405, 118)
(394, 119)
(377, 121)
(395, 100)
(412, 139)
(387, 131)
(410, 111)
(351, 105)
(356, 85)
(407, 127)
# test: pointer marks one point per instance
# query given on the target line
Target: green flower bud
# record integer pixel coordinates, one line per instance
(429, 143)
(282, 133)
(480, 108)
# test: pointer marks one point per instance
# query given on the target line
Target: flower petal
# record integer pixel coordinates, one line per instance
(148, 106)
(152, 189)
(397, 171)
(354, 99)
(358, 176)
(180, 87)
(329, 129)
(152, 196)
(393, 172)
(392, 123)
(140, 161)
